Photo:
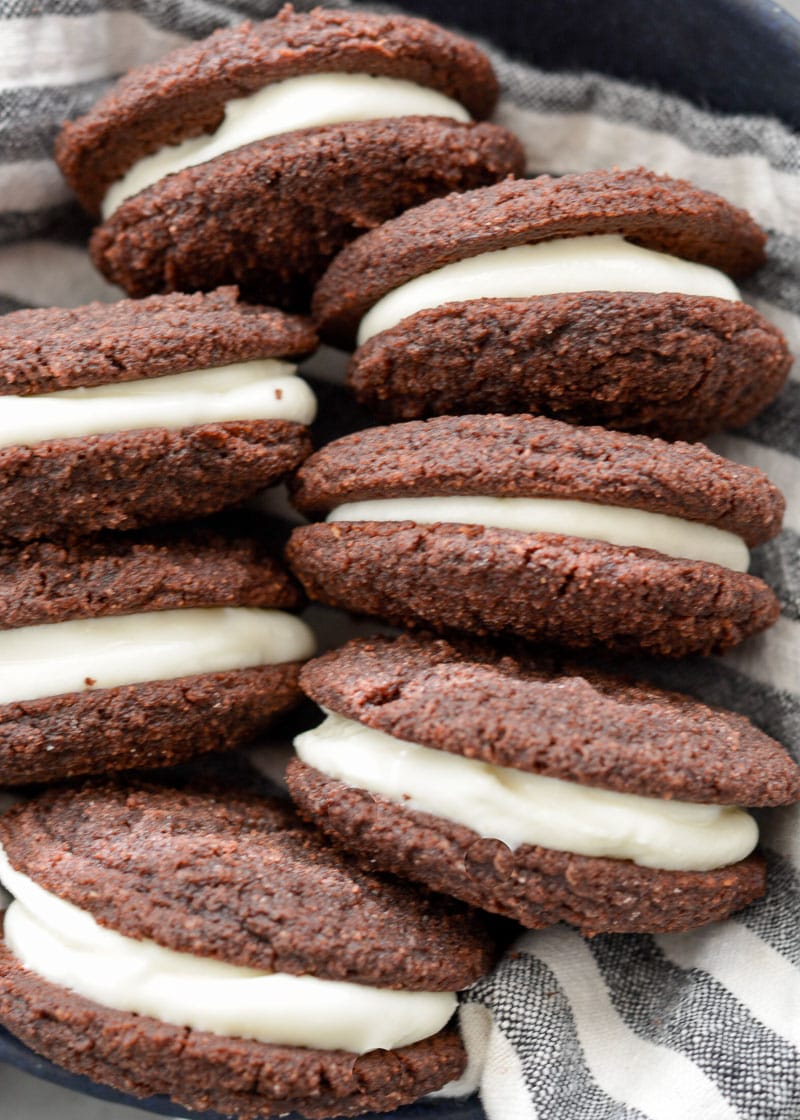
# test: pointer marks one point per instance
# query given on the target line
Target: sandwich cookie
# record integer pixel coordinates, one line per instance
(599, 298)
(219, 951)
(527, 526)
(126, 414)
(544, 795)
(142, 649)
(257, 154)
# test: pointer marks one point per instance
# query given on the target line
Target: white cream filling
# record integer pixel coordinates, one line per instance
(265, 389)
(61, 657)
(306, 102)
(66, 946)
(520, 808)
(605, 262)
(630, 528)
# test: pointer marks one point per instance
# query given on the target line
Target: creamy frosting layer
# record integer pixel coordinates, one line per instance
(64, 944)
(605, 262)
(305, 102)
(61, 657)
(632, 528)
(265, 389)
(521, 808)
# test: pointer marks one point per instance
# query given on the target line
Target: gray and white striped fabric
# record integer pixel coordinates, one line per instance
(702, 1025)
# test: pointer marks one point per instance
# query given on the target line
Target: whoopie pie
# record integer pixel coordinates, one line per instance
(216, 950)
(531, 527)
(538, 791)
(599, 298)
(255, 155)
(142, 649)
(143, 411)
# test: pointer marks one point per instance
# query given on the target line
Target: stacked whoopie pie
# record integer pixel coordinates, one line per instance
(126, 641)
(255, 155)
(535, 789)
(205, 944)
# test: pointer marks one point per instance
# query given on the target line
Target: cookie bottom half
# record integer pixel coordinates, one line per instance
(539, 586)
(157, 723)
(533, 885)
(131, 479)
(664, 364)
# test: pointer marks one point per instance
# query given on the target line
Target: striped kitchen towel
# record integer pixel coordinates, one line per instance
(700, 1026)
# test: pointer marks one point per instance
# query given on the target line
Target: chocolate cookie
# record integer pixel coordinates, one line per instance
(136, 412)
(432, 545)
(245, 893)
(494, 301)
(142, 649)
(533, 790)
(664, 364)
(45, 349)
(258, 153)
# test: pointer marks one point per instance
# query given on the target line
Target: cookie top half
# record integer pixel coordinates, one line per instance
(238, 879)
(566, 722)
(44, 350)
(216, 562)
(525, 456)
(667, 215)
(183, 95)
